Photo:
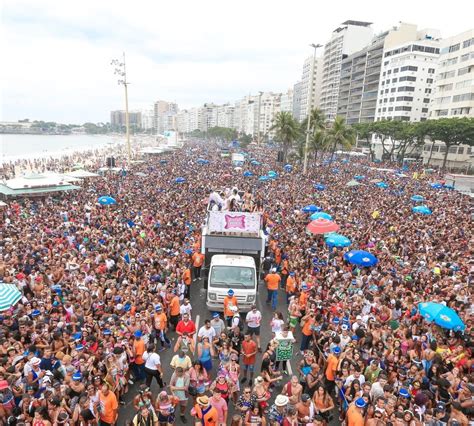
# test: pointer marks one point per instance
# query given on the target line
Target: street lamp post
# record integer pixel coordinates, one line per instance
(121, 71)
(310, 101)
(258, 116)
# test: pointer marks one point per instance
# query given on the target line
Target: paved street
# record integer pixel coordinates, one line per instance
(200, 314)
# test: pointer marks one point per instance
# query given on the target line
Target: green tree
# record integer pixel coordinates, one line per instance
(387, 130)
(365, 131)
(452, 131)
(287, 131)
(339, 134)
(317, 133)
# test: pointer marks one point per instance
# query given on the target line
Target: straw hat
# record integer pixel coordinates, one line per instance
(203, 400)
(281, 400)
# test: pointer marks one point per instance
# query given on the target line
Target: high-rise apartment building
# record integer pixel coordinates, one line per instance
(297, 101)
(118, 119)
(454, 85)
(348, 38)
(305, 82)
(407, 78)
(164, 116)
(361, 72)
(286, 101)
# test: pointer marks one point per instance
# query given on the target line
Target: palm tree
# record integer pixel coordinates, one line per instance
(287, 130)
(340, 135)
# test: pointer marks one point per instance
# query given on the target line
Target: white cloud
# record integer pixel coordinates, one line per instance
(56, 54)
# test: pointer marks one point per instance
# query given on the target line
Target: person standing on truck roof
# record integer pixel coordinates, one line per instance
(229, 301)
(215, 199)
(198, 260)
(273, 282)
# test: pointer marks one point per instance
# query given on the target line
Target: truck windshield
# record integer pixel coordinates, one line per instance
(232, 277)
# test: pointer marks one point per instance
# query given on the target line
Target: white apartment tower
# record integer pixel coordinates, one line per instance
(286, 101)
(348, 38)
(305, 82)
(407, 78)
(454, 92)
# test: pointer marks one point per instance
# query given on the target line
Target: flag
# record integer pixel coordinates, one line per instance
(127, 258)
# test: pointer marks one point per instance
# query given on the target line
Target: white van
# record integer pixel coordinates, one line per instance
(229, 271)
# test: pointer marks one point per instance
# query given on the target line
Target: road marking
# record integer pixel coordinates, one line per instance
(197, 330)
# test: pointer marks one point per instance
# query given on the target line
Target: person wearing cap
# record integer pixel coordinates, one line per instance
(138, 349)
(230, 300)
(204, 412)
(217, 323)
(273, 283)
(355, 413)
(160, 327)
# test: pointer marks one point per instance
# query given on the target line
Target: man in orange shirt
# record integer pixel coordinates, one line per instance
(108, 406)
(354, 413)
(173, 309)
(138, 366)
(273, 282)
(186, 277)
(229, 301)
(160, 325)
(307, 330)
(290, 286)
(204, 412)
(198, 260)
(331, 368)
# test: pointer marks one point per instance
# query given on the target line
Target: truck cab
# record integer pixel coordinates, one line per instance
(233, 244)
(229, 271)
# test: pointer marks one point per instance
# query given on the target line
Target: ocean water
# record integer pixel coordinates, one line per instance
(14, 147)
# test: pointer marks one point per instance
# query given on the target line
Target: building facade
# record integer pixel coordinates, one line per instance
(297, 101)
(164, 116)
(348, 38)
(305, 83)
(118, 119)
(454, 89)
(407, 78)
(286, 101)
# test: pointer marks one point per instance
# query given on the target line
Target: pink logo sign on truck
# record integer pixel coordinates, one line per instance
(237, 222)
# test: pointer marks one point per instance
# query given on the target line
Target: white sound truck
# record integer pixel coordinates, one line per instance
(233, 244)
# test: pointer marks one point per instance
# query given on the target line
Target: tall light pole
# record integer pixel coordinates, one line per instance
(258, 116)
(121, 71)
(310, 101)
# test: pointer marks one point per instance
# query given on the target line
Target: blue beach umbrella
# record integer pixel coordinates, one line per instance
(337, 240)
(360, 258)
(319, 187)
(202, 161)
(180, 180)
(255, 163)
(446, 186)
(106, 200)
(417, 198)
(442, 315)
(382, 185)
(288, 168)
(272, 174)
(421, 210)
(263, 178)
(163, 161)
(311, 208)
(248, 173)
(359, 177)
(320, 215)
(436, 185)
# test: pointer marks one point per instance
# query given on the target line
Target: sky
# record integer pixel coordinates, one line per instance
(56, 54)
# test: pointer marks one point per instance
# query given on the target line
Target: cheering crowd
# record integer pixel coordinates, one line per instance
(110, 292)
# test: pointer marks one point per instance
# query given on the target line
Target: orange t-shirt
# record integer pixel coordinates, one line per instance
(306, 330)
(187, 276)
(228, 301)
(160, 321)
(290, 285)
(354, 417)
(198, 259)
(272, 280)
(331, 367)
(174, 306)
(303, 299)
(139, 346)
(108, 405)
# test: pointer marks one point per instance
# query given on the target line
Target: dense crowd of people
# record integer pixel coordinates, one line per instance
(106, 293)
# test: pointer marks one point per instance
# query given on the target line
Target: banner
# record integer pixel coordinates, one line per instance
(284, 350)
(223, 222)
